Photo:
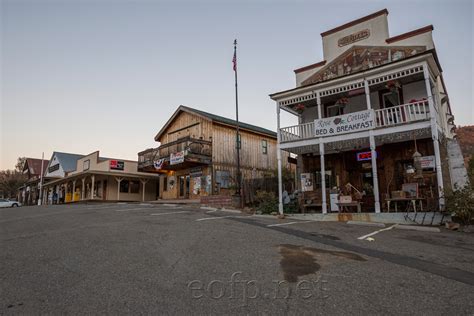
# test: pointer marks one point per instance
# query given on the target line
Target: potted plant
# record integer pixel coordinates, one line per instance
(393, 85)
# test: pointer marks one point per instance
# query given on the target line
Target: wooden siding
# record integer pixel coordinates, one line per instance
(186, 124)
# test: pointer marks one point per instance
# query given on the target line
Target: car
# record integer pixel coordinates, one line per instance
(9, 203)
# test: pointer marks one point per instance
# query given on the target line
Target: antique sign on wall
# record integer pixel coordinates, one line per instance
(177, 158)
(427, 162)
(116, 164)
(355, 37)
(347, 123)
(306, 182)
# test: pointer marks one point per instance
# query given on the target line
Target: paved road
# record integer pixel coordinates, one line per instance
(170, 259)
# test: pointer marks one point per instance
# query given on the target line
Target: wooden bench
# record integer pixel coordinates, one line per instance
(312, 205)
(345, 206)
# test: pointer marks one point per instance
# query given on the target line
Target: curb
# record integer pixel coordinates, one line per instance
(419, 228)
(365, 223)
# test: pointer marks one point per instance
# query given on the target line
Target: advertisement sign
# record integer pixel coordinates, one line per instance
(177, 158)
(347, 123)
(365, 155)
(116, 164)
(427, 162)
(306, 182)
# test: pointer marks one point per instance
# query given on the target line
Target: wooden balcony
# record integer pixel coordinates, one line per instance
(196, 152)
(384, 118)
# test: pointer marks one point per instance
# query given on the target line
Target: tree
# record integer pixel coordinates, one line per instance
(470, 171)
(20, 164)
(10, 182)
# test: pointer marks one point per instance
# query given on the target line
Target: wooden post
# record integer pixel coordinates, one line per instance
(83, 188)
(118, 179)
(373, 152)
(92, 187)
(434, 136)
(73, 189)
(280, 184)
(143, 181)
(322, 162)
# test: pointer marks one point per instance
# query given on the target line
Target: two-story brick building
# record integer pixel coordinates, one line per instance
(375, 120)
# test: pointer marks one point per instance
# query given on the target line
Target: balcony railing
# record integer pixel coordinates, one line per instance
(191, 146)
(401, 114)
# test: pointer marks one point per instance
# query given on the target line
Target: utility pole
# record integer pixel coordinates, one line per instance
(237, 139)
(41, 180)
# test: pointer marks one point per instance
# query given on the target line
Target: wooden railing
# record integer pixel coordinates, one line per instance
(297, 132)
(188, 144)
(401, 114)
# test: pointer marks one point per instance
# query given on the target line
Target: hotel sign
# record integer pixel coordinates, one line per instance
(347, 123)
(355, 37)
(177, 158)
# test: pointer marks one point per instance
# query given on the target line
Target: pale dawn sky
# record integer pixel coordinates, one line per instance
(79, 76)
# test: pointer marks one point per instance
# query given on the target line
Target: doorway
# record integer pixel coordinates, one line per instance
(184, 187)
(104, 190)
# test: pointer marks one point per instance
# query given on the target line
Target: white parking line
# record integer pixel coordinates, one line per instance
(376, 232)
(133, 209)
(179, 212)
(289, 223)
(217, 217)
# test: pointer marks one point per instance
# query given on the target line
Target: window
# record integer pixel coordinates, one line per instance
(134, 187)
(239, 143)
(124, 186)
(264, 147)
(165, 184)
(391, 99)
(328, 178)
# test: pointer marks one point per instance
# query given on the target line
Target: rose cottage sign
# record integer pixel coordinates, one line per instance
(347, 123)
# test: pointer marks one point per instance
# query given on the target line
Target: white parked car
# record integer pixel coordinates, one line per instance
(9, 203)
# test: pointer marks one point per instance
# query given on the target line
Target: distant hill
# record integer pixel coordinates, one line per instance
(466, 141)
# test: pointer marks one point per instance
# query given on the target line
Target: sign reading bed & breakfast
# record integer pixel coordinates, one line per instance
(347, 123)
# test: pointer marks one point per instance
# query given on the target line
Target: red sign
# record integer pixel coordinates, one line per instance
(117, 165)
(365, 155)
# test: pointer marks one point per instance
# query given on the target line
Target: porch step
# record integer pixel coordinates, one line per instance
(457, 169)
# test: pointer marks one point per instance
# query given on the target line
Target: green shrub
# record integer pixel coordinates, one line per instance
(460, 203)
(267, 202)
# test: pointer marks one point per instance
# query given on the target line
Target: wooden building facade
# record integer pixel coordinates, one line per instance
(375, 122)
(197, 155)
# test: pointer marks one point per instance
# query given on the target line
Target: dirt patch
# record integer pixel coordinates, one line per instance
(297, 261)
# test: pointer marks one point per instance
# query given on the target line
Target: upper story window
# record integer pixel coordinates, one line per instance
(264, 147)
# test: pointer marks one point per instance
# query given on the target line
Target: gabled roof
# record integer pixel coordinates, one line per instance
(217, 119)
(34, 166)
(67, 160)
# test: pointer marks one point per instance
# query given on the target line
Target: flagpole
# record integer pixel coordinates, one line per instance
(41, 180)
(238, 144)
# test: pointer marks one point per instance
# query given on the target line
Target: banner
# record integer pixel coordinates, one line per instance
(347, 123)
(177, 158)
(158, 164)
(116, 165)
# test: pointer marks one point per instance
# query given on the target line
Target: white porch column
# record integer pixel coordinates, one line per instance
(92, 187)
(83, 188)
(434, 136)
(321, 155)
(73, 190)
(118, 179)
(280, 185)
(373, 152)
(143, 181)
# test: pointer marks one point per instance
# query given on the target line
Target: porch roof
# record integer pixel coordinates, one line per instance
(141, 175)
(428, 53)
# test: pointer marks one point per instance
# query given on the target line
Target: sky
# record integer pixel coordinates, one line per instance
(80, 76)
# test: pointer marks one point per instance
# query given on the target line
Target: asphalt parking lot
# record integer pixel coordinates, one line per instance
(172, 259)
